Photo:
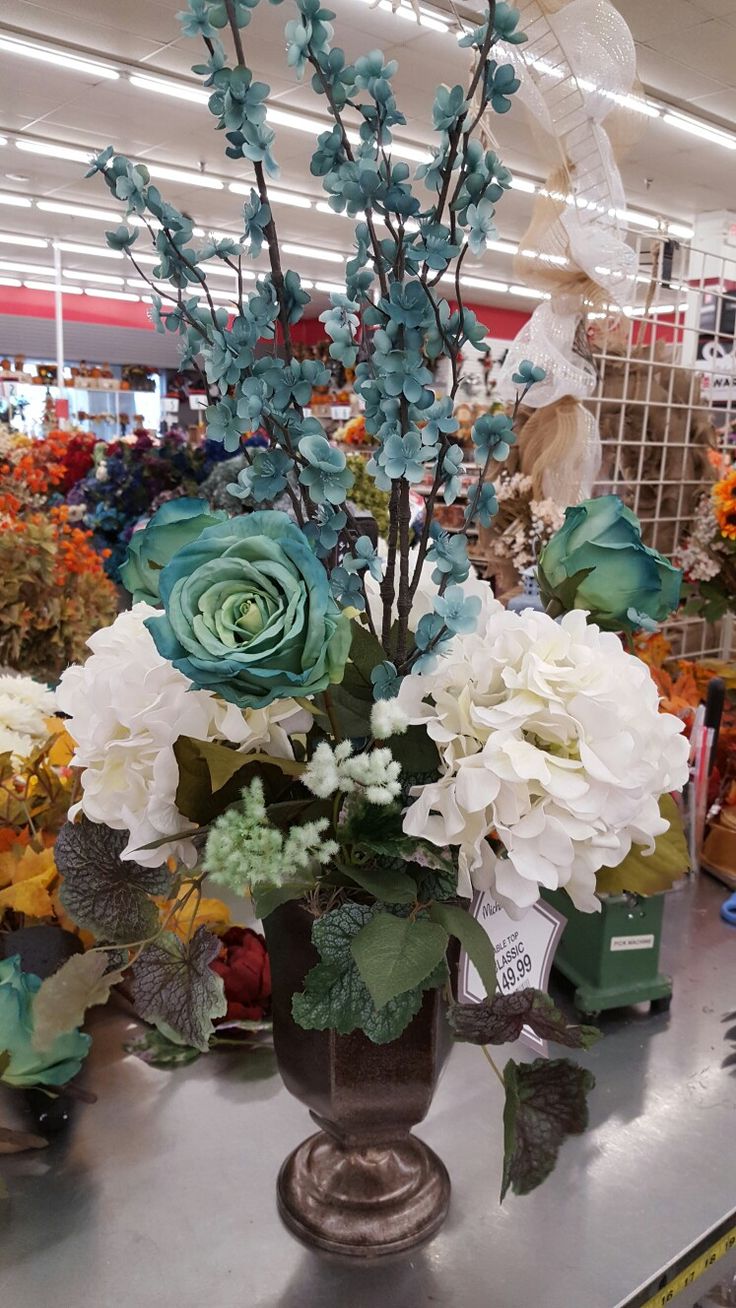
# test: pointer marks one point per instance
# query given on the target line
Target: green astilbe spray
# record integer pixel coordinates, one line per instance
(243, 848)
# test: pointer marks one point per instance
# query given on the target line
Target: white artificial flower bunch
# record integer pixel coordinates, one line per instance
(25, 705)
(375, 773)
(127, 707)
(551, 741)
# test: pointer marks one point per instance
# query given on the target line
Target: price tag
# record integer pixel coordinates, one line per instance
(524, 952)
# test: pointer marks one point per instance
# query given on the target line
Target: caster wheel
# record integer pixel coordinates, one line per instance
(662, 1005)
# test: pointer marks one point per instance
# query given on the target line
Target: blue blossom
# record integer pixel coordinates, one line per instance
(326, 476)
(398, 196)
(98, 163)
(347, 588)
(475, 37)
(312, 33)
(213, 71)
(253, 141)
(250, 402)
(341, 324)
(641, 620)
(295, 298)
(227, 356)
(429, 637)
(449, 553)
(364, 556)
(493, 435)
(323, 531)
(408, 303)
(373, 75)
(448, 106)
(223, 424)
(256, 217)
(195, 20)
(428, 629)
(482, 507)
(403, 456)
(451, 468)
(219, 16)
(329, 153)
(238, 101)
(131, 185)
(440, 421)
(263, 307)
(265, 478)
(527, 374)
(500, 83)
(481, 227)
(434, 245)
(460, 612)
(334, 74)
(386, 680)
(122, 238)
(505, 23)
(432, 172)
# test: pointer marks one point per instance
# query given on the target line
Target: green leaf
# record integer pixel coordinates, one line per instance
(156, 1050)
(288, 811)
(195, 796)
(545, 1102)
(352, 701)
(336, 998)
(459, 922)
(63, 998)
(416, 752)
(395, 954)
(500, 1021)
(378, 829)
(224, 763)
(266, 897)
(393, 887)
(648, 874)
(174, 985)
(366, 652)
(103, 894)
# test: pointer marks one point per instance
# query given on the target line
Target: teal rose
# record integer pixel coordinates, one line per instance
(25, 1066)
(249, 613)
(598, 561)
(175, 524)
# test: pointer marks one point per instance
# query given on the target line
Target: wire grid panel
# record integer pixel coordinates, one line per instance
(666, 401)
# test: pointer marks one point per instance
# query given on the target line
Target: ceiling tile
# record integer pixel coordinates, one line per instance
(709, 49)
(648, 19)
(672, 78)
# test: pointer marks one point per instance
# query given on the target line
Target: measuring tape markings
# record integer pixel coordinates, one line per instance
(693, 1271)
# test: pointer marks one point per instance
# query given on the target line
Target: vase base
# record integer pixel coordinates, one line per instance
(365, 1201)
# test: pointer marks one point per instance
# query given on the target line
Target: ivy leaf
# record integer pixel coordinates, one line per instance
(174, 987)
(545, 1102)
(266, 897)
(102, 893)
(500, 1021)
(460, 923)
(366, 652)
(63, 998)
(158, 1051)
(352, 701)
(336, 998)
(395, 954)
(385, 883)
(647, 874)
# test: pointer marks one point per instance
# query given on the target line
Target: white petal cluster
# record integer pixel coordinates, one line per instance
(127, 706)
(25, 705)
(550, 736)
(388, 718)
(376, 773)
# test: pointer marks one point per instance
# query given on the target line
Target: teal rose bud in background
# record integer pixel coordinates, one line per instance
(175, 524)
(598, 561)
(26, 1066)
(249, 613)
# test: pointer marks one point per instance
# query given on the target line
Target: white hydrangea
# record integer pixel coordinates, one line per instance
(127, 706)
(25, 705)
(376, 773)
(388, 718)
(550, 736)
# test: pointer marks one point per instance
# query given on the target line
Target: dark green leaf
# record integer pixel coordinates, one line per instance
(266, 898)
(288, 811)
(102, 893)
(416, 752)
(156, 1050)
(459, 922)
(366, 652)
(647, 874)
(352, 702)
(545, 1102)
(336, 998)
(379, 830)
(500, 1021)
(395, 954)
(195, 797)
(175, 987)
(393, 887)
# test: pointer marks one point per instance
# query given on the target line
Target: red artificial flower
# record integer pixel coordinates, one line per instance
(244, 967)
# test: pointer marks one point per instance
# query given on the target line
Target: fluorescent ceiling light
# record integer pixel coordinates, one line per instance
(179, 90)
(300, 122)
(524, 184)
(54, 150)
(528, 293)
(111, 295)
(405, 10)
(483, 284)
(312, 252)
(696, 127)
(502, 247)
(278, 197)
(640, 219)
(78, 211)
(150, 260)
(10, 281)
(168, 174)
(75, 63)
(108, 279)
(17, 201)
(329, 287)
(40, 270)
(684, 232)
(3, 140)
(558, 260)
(223, 272)
(50, 286)
(10, 238)
(95, 251)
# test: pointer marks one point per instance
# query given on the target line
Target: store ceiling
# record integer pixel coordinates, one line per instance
(687, 58)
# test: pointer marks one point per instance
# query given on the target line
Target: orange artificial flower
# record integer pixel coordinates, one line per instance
(724, 503)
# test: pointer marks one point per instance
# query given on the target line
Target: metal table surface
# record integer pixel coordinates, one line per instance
(163, 1193)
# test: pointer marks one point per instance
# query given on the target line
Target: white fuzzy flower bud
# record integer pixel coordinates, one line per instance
(388, 719)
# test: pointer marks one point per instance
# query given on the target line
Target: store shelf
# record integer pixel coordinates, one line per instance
(168, 1180)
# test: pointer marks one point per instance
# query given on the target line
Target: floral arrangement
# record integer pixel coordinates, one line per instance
(289, 714)
(34, 472)
(523, 524)
(708, 556)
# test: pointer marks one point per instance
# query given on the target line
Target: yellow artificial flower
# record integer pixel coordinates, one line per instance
(26, 875)
(211, 913)
(62, 746)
